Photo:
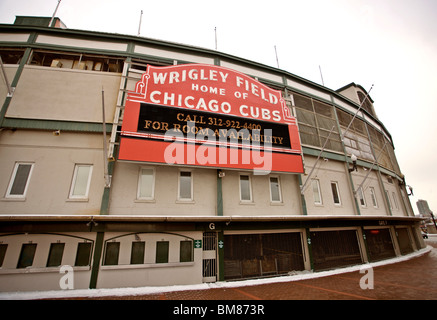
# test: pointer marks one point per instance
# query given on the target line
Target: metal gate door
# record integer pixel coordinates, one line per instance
(379, 244)
(209, 264)
(261, 255)
(405, 244)
(334, 249)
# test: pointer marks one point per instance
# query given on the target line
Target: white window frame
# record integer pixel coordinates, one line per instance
(395, 200)
(73, 182)
(388, 199)
(179, 198)
(250, 188)
(12, 180)
(361, 196)
(152, 197)
(279, 189)
(373, 197)
(338, 193)
(319, 192)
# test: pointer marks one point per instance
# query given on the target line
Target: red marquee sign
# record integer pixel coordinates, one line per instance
(205, 115)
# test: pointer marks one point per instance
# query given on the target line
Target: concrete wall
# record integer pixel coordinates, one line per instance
(327, 172)
(54, 159)
(124, 192)
(152, 274)
(260, 204)
(372, 181)
(64, 94)
(38, 276)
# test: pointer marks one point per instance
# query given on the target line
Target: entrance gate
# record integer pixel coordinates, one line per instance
(334, 249)
(209, 262)
(259, 255)
(379, 244)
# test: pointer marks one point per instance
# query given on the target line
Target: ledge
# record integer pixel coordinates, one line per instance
(143, 218)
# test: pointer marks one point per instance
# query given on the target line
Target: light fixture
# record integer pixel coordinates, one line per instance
(410, 188)
(354, 163)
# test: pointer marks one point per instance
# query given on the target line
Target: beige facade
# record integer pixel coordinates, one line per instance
(169, 224)
(64, 94)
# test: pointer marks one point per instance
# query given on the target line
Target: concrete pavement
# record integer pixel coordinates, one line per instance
(414, 279)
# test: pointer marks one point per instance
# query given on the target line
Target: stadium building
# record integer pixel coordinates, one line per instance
(127, 161)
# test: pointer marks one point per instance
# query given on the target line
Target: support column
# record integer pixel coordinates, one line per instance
(98, 249)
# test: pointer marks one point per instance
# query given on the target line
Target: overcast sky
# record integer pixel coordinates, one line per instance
(391, 44)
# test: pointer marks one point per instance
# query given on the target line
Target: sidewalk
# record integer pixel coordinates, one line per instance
(414, 279)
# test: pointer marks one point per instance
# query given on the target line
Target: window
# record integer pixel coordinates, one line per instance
(185, 186)
(137, 252)
(55, 254)
(26, 255)
(373, 197)
(186, 251)
(79, 61)
(361, 197)
(81, 181)
(365, 103)
(111, 253)
(381, 146)
(275, 190)
(162, 251)
(335, 193)
(19, 181)
(316, 192)
(3, 248)
(11, 56)
(316, 120)
(245, 188)
(356, 139)
(388, 199)
(395, 200)
(146, 184)
(354, 144)
(83, 254)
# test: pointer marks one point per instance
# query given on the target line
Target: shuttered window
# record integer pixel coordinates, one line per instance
(83, 255)
(111, 253)
(27, 255)
(186, 251)
(162, 248)
(55, 254)
(137, 252)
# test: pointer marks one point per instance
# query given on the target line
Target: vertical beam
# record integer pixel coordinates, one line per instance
(104, 206)
(105, 147)
(302, 197)
(366, 247)
(221, 255)
(219, 194)
(112, 149)
(310, 248)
